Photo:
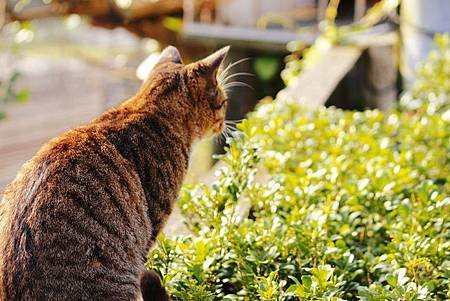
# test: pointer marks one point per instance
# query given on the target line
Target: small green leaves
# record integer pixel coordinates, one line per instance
(269, 288)
(324, 205)
(391, 280)
(397, 278)
(320, 283)
(9, 93)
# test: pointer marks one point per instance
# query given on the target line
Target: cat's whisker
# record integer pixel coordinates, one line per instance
(224, 81)
(226, 134)
(231, 126)
(230, 129)
(224, 72)
(224, 131)
(237, 84)
(234, 130)
(235, 121)
(220, 138)
(228, 68)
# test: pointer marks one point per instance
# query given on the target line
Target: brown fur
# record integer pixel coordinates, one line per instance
(81, 215)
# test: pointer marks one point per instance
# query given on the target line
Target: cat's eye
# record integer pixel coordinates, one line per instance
(219, 106)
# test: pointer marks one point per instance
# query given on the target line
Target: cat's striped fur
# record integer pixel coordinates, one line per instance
(81, 215)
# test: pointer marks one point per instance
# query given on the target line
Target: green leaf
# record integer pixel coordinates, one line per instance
(173, 24)
(391, 280)
(307, 282)
(23, 96)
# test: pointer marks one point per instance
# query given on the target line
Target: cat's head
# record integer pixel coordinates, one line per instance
(196, 87)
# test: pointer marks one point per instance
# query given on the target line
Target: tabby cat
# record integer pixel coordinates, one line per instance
(82, 214)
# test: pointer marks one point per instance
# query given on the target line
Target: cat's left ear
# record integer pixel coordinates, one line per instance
(213, 62)
(170, 55)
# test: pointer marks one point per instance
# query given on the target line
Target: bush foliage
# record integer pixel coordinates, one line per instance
(324, 205)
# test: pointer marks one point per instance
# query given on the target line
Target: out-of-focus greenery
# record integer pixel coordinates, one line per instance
(331, 35)
(266, 67)
(431, 90)
(323, 205)
(9, 93)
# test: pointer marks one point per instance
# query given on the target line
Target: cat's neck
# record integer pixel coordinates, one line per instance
(176, 113)
(153, 124)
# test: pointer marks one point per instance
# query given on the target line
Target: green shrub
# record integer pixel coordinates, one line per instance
(324, 205)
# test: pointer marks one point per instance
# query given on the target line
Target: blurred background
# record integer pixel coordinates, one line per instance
(63, 62)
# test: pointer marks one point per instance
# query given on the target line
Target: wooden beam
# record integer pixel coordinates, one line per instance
(268, 39)
(101, 9)
(88, 8)
(33, 13)
(314, 86)
(144, 9)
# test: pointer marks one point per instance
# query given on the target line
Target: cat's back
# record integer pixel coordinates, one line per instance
(72, 215)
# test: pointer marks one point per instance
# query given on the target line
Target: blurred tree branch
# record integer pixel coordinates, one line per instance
(144, 18)
(33, 13)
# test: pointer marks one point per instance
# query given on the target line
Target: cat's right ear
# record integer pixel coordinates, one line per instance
(170, 55)
(213, 62)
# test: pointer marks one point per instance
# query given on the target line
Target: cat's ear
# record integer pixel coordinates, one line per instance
(213, 61)
(170, 55)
